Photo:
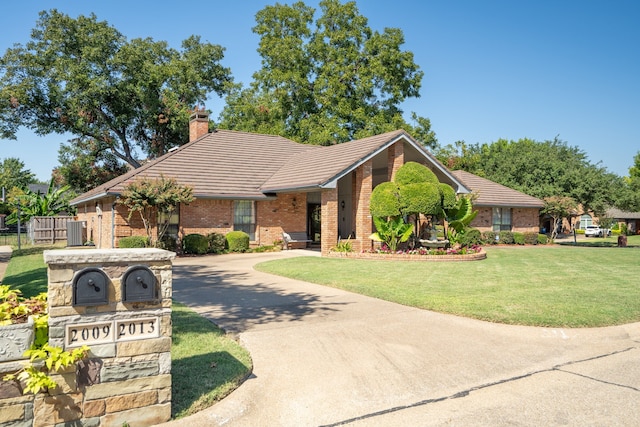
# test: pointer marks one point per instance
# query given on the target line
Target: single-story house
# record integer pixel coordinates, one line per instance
(264, 185)
(630, 219)
(501, 208)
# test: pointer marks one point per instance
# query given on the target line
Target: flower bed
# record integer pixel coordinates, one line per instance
(474, 253)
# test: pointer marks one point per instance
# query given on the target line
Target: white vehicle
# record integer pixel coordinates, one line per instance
(596, 231)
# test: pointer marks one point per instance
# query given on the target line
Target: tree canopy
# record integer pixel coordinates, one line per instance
(540, 169)
(130, 99)
(14, 174)
(629, 198)
(326, 81)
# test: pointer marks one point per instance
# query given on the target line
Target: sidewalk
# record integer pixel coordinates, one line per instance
(5, 256)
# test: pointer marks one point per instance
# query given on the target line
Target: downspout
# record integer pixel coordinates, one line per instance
(113, 223)
(99, 212)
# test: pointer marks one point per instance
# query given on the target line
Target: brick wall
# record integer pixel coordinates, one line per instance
(362, 195)
(395, 160)
(329, 234)
(522, 219)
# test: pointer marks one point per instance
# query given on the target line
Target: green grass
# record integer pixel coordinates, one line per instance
(207, 364)
(600, 242)
(558, 286)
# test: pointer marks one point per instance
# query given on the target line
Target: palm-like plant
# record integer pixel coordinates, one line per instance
(392, 231)
(31, 204)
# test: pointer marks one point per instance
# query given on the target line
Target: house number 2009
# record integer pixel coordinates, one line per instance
(109, 332)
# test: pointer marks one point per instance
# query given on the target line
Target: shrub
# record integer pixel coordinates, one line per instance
(518, 238)
(543, 239)
(343, 246)
(471, 237)
(237, 241)
(506, 238)
(530, 238)
(133, 242)
(195, 244)
(217, 243)
(168, 243)
(489, 237)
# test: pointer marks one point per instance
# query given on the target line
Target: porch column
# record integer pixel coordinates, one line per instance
(329, 215)
(362, 194)
(395, 159)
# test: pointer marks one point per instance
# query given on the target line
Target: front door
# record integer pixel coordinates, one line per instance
(314, 221)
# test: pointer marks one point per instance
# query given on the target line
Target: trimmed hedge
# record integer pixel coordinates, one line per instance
(168, 243)
(195, 244)
(518, 238)
(217, 243)
(506, 238)
(237, 241)
(543, 239)
(471, 237)
(530, 238)
(489, 237)
(133, 242)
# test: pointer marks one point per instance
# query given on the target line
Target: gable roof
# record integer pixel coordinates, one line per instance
(493, 194)
(241, 165)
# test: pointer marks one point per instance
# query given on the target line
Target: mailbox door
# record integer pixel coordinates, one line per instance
(90, 287)
(139, 284)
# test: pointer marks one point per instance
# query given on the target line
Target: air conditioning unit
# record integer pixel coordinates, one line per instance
(76, 233)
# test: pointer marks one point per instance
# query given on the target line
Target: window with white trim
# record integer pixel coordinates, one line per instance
(585, 221)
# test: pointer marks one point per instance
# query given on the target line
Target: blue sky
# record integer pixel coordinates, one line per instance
(493, 69)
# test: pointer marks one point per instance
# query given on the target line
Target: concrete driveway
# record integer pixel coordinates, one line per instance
(326, 357)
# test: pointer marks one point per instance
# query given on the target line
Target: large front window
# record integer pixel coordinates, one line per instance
(501, 219)
(244, 217)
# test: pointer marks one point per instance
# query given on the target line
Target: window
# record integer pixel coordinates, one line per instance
(501, 219)
(172, 224)
(585, 221)
(244, 217)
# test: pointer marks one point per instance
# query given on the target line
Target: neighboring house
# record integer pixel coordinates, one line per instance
(501, 208)
(264, 185)
(631, 219)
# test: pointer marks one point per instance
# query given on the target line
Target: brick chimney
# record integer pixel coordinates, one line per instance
(198, 124)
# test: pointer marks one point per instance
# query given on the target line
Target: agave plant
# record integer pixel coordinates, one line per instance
(391, 232)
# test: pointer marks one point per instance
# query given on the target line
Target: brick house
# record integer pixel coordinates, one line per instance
(501, 208)
(264, 185)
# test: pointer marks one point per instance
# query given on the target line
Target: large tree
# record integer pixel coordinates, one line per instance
(327, 81)
(14, 174)
(629, 196)
(540, 169)
(82, 76)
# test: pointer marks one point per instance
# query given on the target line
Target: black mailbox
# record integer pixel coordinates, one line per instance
(138, 284)
(90, 287)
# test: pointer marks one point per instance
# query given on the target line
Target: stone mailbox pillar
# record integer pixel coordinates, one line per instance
(117, 302)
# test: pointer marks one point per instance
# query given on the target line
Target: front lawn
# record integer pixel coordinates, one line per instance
(556, 286)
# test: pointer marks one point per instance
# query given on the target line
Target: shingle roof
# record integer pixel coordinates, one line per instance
(493, 194)
(246, 161)
(326, 164)
(236, 165)
(619, 214)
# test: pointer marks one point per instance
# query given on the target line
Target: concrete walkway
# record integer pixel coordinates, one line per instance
(325, 357)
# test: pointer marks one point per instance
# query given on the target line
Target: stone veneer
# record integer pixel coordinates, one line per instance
(121, 381)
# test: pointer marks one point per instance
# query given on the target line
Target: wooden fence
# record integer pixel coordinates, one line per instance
(48, 229)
